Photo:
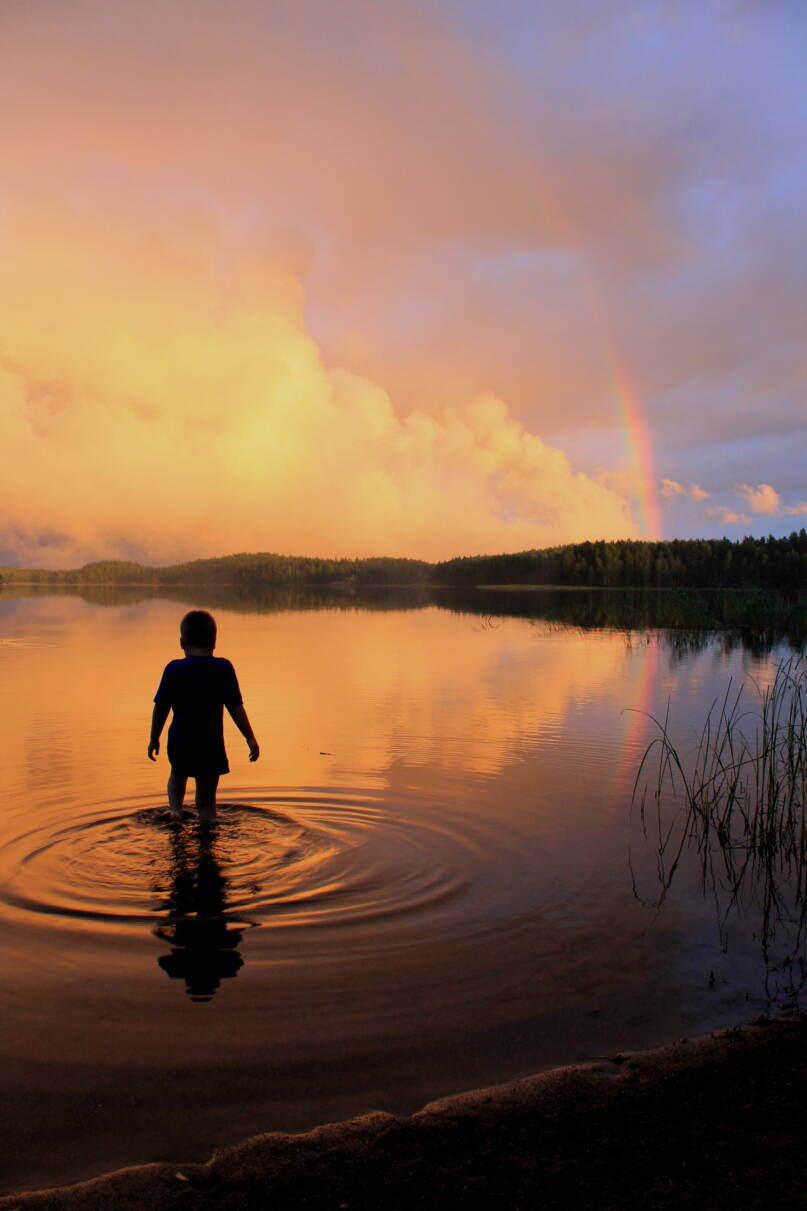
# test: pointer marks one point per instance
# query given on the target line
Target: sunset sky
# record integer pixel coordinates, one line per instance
(422, 278)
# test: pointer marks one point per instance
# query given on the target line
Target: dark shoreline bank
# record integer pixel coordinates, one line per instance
(717, 1122)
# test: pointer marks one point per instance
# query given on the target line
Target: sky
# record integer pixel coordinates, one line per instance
(422, 278)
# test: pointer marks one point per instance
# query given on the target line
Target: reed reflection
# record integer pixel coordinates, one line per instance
(204, 941)
(740, 803)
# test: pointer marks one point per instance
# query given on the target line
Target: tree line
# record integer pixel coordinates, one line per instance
(245, 571)
(703, 563)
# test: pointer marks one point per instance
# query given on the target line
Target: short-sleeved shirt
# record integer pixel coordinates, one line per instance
(197, 688)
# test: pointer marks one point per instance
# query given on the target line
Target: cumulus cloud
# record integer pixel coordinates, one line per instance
(444, 195)
(728, 516)
(161, 392)
(671, 490)
(762, 499)
(625, 481)
(476, 208)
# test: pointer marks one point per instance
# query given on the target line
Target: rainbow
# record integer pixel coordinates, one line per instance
(641, 680)
(638, 442)
(640, 454)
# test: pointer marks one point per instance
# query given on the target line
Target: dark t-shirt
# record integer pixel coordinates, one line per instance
(197, 688)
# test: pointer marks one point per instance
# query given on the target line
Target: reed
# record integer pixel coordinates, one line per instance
(738, 797)
(744, 788)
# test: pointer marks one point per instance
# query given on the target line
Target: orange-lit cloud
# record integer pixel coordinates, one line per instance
(161, 397)
(672, 490)
(762, 499)
(729, 517)
(365, 145)
(498, 201)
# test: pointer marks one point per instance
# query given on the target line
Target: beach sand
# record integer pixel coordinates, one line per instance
(718, 1122)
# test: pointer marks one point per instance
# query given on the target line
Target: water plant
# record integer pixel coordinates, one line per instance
(738, 798)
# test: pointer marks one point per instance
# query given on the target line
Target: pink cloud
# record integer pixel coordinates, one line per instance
(762, 499)
(466, 221)
(728, 517)
(672, 490)
(169, 357)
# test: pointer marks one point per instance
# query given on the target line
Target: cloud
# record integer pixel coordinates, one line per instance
(766, 500)
(160, 390)
(728, 517)
(446, 190)
(625, 481)
(762, 499)
(476, 207)
(672, 490)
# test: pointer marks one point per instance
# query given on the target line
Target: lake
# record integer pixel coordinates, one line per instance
(431, 881)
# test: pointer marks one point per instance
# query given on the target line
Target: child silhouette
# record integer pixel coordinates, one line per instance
(197, 688)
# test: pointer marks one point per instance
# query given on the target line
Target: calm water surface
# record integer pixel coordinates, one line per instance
(426, 884)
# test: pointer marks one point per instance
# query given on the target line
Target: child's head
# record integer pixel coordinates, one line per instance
(198, 630)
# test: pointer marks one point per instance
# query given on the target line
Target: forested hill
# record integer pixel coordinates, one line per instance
(769, 563)
(708, 563)
(244, 570)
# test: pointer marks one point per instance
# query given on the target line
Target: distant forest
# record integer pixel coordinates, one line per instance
(751, 563)
(241, 570)
(697, 563)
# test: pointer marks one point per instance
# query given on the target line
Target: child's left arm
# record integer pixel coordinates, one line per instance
(241, 721)
(158, 718)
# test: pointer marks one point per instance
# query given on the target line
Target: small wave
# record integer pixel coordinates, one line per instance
(298, 860)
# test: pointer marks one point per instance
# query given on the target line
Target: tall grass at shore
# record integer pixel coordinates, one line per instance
(746, 786)
(738, 797)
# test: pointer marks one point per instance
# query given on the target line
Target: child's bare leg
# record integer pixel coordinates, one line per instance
(176, 793)
(206, 785)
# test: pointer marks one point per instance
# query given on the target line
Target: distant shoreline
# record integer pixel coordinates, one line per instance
(343, 585)
(698, 563)
(615, 588)
(764, 617)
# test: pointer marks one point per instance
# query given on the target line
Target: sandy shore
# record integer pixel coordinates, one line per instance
(718, 1122)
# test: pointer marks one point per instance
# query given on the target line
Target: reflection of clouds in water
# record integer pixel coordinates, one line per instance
(335, 696)
(203, 942)
(492, 900)
(368, 688)
(49, 757)
(429, 688)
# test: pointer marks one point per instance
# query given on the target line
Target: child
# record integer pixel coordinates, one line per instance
(197, 688)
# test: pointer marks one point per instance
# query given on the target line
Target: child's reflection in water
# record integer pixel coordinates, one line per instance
(203, 942)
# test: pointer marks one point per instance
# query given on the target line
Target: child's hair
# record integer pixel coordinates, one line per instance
(198, 629)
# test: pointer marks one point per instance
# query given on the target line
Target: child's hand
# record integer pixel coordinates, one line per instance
(154, 748)
(254, 749)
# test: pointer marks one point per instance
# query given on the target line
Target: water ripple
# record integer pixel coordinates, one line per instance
(299, 860)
